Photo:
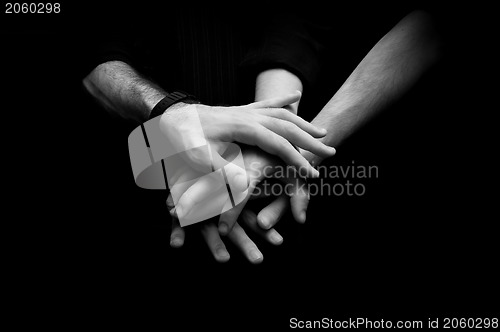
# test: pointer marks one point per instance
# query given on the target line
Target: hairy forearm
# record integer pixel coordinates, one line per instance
(121, 90)
(277, 82)
(391, 67)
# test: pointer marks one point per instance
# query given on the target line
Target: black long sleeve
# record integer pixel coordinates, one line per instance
(214, 54)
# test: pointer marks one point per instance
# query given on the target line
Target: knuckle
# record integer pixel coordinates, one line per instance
(248, 244)
(273, 214)
(206, 230)
(290, 129)
(230, 219)
(271, 123)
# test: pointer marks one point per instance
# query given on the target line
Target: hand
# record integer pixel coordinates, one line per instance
(237, 236)
(200, 135)
(298, 192)
(264, 124)
(258, 166)
(295, 192)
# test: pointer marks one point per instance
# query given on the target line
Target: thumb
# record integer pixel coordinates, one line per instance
(298, 191)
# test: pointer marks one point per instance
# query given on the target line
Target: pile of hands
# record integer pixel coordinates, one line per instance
(271, 138)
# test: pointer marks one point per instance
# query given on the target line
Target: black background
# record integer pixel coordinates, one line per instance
(85, 246)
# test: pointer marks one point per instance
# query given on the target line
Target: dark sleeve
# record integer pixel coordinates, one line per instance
(290, 41)
(115, 49)
(106, 48)
(110, 35)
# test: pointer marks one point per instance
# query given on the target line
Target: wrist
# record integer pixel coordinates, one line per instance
(151, 97)
(176, 106)
(170, 100)
(277, 82)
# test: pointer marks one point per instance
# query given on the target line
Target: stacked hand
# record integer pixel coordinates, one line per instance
(259, 166)
(265, 124)
(247, 122)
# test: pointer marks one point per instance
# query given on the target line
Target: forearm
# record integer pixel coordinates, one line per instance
(277, 82)
(121, 90)
(390, 68)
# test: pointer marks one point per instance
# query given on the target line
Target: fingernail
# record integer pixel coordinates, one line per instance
(176, 242)
(222, 254)
(276, 238)
(223, 228)
(303, 216)
(255, 255)
(333, 150)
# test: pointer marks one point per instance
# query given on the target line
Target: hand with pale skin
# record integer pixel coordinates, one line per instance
(259, 166)
(238, 236)
(264, 124)
(294, 194)
(247, 124)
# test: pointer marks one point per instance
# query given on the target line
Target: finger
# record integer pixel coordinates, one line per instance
(170, 202)
(282, 148)
(227, 220)
(214, 242)
(171, 206)
(278, 101)
(296, 136)
(246, 245)
(299, 199)
(177, 234)
(274, 144)
(271, 235)
(272, 213)
(282, 114)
